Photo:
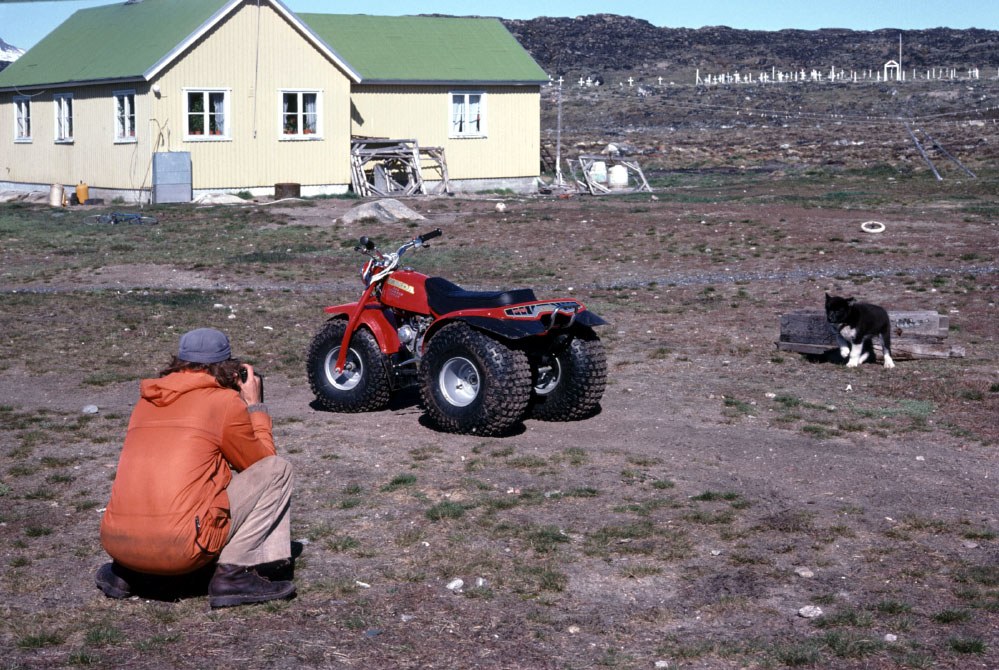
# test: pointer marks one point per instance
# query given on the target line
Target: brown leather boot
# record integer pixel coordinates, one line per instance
(240, 584)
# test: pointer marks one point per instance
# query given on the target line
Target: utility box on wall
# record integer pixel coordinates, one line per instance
(172, 177)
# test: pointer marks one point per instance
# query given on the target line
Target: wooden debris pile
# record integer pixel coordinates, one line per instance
(914, 334)
(386, 167)
(602, 175)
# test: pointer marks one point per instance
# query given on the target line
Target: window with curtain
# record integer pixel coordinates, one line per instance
(63, 117)
(300, 115)
(22, 113)
(124, 116)
(207, 113)
(468, 114)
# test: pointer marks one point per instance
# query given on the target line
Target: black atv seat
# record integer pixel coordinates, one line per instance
(444, 297)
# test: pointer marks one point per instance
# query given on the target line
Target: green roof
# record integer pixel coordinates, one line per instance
(126, 41)
(119, 41)
(426, 49)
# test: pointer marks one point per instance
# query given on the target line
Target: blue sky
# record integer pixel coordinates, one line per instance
(24, 23)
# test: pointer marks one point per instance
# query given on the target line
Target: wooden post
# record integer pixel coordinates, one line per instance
(922, 153)
(946, 153)
(914, 334)
(559, 181)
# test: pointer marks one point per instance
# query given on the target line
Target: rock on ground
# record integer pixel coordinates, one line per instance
(219, 199)
(386, 210)
(23, 196)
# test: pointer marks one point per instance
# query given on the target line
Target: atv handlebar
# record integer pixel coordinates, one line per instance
(429, 236)
(381, 264)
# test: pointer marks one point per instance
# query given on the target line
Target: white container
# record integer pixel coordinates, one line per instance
(56, 194)
(618, 177)
(598, 172)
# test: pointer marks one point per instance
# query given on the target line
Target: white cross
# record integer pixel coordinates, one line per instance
(630, 81)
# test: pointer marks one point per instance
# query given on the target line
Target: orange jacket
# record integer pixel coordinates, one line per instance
(169, 512)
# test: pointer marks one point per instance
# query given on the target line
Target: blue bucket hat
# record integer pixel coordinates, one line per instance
(204, 345)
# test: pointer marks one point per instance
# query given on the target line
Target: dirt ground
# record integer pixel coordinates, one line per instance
(722, 487)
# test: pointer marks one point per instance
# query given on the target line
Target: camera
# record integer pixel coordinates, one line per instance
(243, 376)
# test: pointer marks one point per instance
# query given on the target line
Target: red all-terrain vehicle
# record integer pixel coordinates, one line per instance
(483, 359)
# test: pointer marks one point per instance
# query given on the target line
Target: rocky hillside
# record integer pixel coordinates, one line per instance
(606, 42)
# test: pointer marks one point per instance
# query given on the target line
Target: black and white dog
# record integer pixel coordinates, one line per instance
(856, 323)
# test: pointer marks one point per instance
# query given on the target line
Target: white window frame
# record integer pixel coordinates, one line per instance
(300, 114)
(480, 132)
(62, 104)
(121, 131)
(226, 134)
(22, 118)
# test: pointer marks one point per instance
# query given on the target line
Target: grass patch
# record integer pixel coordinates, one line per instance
(711, 496)
(952, 616)
(37, 531)
(893, 607)
(546, 539)
(644, 461)
(40, 640)
(445, 510)
(104, 634)
(851, 644)
(647, 507)
(847, 617)
(342, 543)
(526, 462)
(639, 571)
(796, 655)
(913, 409)
(710, 518)
(818, 432)
(967, 645)
(787, 401)
(738, 407)
(542, 578)
(399, 481)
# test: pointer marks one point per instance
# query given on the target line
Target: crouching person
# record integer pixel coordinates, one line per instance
(176, 505)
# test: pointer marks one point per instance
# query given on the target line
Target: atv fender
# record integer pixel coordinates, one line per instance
(378, 322)
(588, 318)
(512, 329)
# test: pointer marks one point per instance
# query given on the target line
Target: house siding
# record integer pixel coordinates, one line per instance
(93, 156)
(256, 155)
(511, 147)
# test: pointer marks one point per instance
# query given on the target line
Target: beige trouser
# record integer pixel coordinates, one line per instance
(259, 525)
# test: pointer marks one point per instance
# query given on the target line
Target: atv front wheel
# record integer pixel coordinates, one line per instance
(569, 379)
(363, 386)
(471, 383)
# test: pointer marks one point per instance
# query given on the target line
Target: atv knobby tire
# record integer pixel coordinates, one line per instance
(472, 383)
(363, 386)
(572, 381)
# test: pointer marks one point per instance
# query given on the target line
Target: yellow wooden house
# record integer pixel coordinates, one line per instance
(256, 95)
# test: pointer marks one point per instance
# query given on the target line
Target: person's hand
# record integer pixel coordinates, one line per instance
(250, 389)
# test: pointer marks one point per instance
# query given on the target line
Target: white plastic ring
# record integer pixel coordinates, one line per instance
(872, 227)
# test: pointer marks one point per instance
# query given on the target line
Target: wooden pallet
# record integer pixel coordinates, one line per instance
(387, 167)
(914, 334)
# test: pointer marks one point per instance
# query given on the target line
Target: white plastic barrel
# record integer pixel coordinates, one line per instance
(618, 177)
(56, 195)
(598, 172)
